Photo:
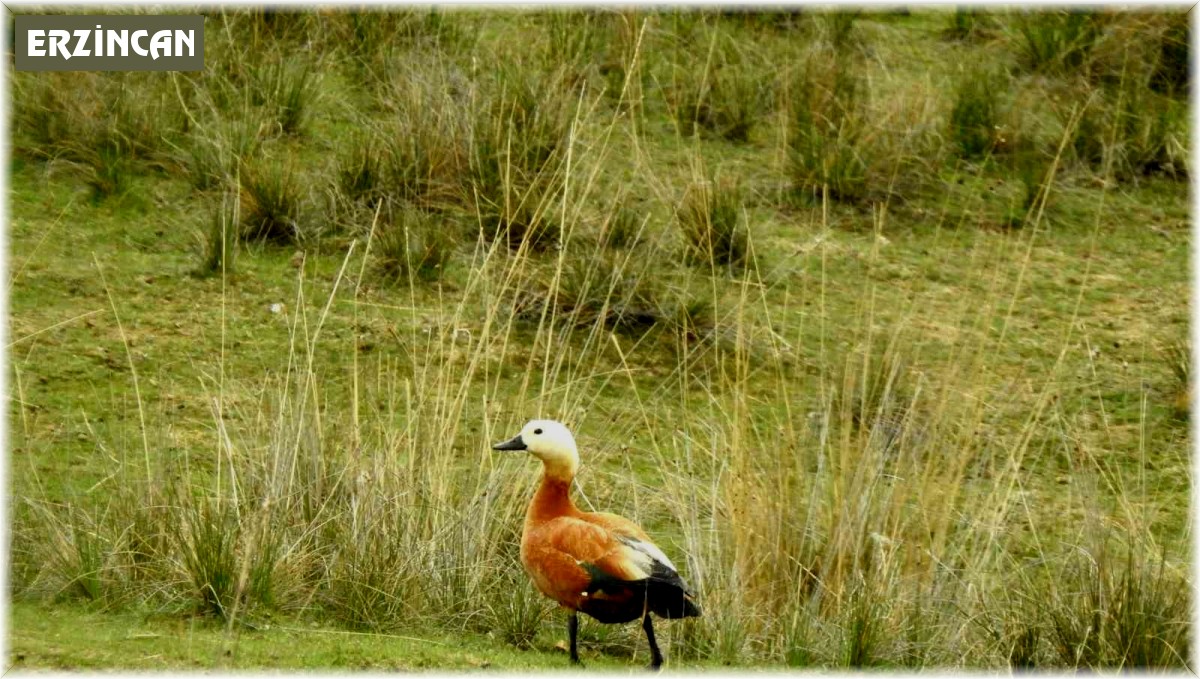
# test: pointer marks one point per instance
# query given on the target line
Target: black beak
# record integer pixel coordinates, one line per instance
(514, 443)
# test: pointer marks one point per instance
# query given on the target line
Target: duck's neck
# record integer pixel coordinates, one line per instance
(552, 500)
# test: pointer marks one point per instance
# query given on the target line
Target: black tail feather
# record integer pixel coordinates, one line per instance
(669, 600)
(668, 595)
(614, 600)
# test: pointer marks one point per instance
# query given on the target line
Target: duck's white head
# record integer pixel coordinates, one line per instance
(551, 442)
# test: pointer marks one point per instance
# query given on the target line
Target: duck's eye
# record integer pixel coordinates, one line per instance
(537, 431)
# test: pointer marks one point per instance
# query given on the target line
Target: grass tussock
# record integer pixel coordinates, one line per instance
(219, 241)
(727, 97)
(271, 203)
(1178, 357)
(421, 149)
(1105, 610)
(712, 221)
(1124, 612)
(518, 150)
(288, 90)
(619, 291)
(966, 24)
(413, 245)
(376, 42)
(975, 116)
(1059, 40)
(827, 151)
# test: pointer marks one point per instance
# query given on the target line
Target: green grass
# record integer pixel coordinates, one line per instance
(875, 427)
(67, 638)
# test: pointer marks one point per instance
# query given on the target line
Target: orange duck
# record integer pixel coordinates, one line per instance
(598, 563)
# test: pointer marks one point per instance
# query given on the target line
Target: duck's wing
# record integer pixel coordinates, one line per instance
(634, 537)
(667, 592)
(590, 547)
(587, 568)
(617, 524)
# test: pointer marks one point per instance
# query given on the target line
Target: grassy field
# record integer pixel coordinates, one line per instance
(878, 322)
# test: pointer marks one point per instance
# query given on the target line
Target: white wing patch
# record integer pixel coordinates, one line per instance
(650, 550)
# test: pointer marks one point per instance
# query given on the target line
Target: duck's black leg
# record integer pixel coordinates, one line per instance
(573, 632)
(656, 658)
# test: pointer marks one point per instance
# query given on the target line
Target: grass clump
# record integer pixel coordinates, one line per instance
(840, 29)
(207, 542)
(621, 65)
(1178, 357)
(131, 116)
(711, 219)
(516, 161)
(288, 89)
(1057, 41)
(377, 42)
(613, 290)
(577, 39)
(1132, 123)
(228, 553)
(1033, 172)
(739, 95)
(826, 144)
(518, 611)
(44, 112)
(966, 24)
(1119, 613)
(212, 156)
(974, 118)
(727, 98)
(874, 395)
(621, 228)
(271, 203)
(360, 176)
(413, 244)
(419, 153)
(111, 169)
(519, 217)
(862, 633)
(219, 241)
(1152, 136)
(78, 558)
(1172, 72)
(1131, 132)
(366, 585)
(114, 127)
